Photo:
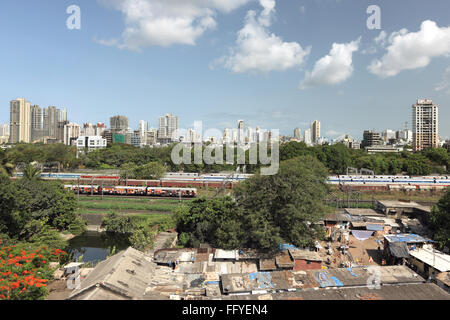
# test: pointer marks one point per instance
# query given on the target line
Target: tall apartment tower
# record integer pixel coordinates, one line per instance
(425, 117)
(297, 134)
(168, 124)
(315, 131)
(143, 128)
(52, 117)
(241, 137)
(119, 124)
(20, 121)
(36, 123)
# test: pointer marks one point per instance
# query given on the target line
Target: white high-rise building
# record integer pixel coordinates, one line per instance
(308, 139)
(241, 137)
(226, 136)
(71, 132)
(315, 131)
(425, 116)
(234, 137)
(20, 121)
(143, 127)
(4, 130)
(168, 125)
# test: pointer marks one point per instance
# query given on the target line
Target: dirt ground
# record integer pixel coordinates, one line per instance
(360, 252)
(58, 290)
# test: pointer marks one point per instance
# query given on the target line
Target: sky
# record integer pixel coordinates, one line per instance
(277, 64)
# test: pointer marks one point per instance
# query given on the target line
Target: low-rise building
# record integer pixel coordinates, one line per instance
(90, 143)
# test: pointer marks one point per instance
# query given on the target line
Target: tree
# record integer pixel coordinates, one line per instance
(30, 172)
(266, 211)
(285, 206)
(440, 220)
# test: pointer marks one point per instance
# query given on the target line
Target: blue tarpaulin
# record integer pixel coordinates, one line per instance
(407, 237)
(263, 279)
(351, 272)
(338, 283)
(285, 246)
(362, 234)
(374, 227)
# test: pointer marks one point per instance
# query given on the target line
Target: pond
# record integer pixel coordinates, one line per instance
(95, 246)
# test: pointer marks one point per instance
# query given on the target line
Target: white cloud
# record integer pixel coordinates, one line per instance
(412, 50)
(167, 22)
(334, 68)
(445, 83)
(257, 50)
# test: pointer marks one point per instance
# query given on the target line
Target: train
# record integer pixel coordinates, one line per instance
(132, 191)
(387, 182)
(217, 180)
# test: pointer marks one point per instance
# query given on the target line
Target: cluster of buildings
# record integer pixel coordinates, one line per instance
(381, 254)
(424, 133)
(30, 123)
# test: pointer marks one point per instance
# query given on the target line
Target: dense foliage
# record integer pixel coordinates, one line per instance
(440, 221)
(140, 231)
(267, 210)
(116, 156)
(26, 203)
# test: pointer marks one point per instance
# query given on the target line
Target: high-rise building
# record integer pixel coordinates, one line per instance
(226, 136)
(241, 137)
(4, 130)
(315, 131)
(100, 127)
(308, 137)
(297, 134)
(371, 138)
(71, 133)
(36, 123)
(52, 117)
(151, 137)
(119, 124)
(168, 125)
(143, 128)
(20, 121)
(425, 116)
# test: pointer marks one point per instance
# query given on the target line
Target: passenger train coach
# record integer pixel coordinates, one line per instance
(392, 182)
(133, 191)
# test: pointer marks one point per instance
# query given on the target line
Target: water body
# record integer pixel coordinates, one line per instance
(95, 246)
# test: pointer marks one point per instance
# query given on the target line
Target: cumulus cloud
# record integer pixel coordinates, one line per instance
(257, 50)
(166, 22)
(334, 68)
(445, 83)
(412, 50)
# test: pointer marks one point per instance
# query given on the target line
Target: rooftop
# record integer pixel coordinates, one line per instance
(406, 237)
(438, 260)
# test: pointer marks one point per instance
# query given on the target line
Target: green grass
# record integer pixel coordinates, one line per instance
(128, 206)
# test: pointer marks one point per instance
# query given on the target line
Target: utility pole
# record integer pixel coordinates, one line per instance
(78, 188)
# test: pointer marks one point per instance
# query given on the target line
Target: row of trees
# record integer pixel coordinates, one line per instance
(335, 157)
(265, 211)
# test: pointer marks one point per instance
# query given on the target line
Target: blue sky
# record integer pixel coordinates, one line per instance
(220, 61)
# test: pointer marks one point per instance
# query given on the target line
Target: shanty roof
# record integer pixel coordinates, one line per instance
(438, 260)
(305, 255)
(444, 277)
(284, 260)
(363, 212)
(356, 224)
(399, 249)
(267, 264)
(421, 291)
(374, 227)
(406, 237)
(227, 255)
(344, 217)
(124, 276)
(398, 204)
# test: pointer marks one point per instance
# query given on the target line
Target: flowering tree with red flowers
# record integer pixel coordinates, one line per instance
(24, 274)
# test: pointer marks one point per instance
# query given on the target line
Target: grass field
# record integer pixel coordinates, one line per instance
(128, 204)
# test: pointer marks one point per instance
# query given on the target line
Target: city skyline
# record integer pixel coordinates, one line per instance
(188, 79)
